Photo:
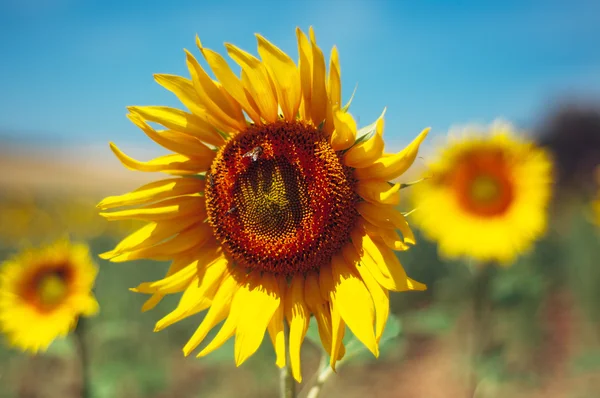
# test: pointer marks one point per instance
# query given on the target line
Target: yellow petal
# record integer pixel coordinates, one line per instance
(172, 284)
(334, 86)
(218, 103)
(344, 135)
(354, 302)
(88, 305)
(338, 329)
(181, 121)
(285, 76)
(366, 152)
(390, 167)
(298, 317)
(185, 308)
(276, 330)
(326, 282)
(230, 82)
(260, 84)
(183, 268)
(386, 217)
(305, 67)
(149, 235)
(166, 164)
(247, 84)
(225, 333)
(257, 299)
(183, 89)
(380, 261)
(319, 100)
(199, 293)
(170, 187)
(176, 265)
(218, 311)
(388, 236)
(365, 251)
(319, 308)
(183, 206)
(176, 141)
(194, 237)
(152, 302)
(380, 296)
(377, 191)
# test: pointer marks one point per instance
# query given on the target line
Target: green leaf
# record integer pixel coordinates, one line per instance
(347, 106)
(363, 134)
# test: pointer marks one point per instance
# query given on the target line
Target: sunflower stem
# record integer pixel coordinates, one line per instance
(83, 357)
(288, 384)
(322, 375)
(481, 329)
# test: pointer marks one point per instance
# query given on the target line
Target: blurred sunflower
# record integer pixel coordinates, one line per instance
(43, 292)
(485, 196)
(281, 217)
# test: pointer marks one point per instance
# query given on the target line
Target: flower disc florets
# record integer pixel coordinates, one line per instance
(279, 198)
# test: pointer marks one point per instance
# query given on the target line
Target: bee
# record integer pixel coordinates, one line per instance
(254, 153)
(231, 210)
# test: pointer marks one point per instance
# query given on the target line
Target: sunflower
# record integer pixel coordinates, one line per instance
(280, 209)
(43, 292)
(486, 195)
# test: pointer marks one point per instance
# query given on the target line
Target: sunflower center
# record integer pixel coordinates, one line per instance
(485, 189)
(52, 289)
(483, 183)
(48, 288)
(279, 199)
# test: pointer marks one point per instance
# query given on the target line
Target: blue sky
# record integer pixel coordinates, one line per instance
(70, 67)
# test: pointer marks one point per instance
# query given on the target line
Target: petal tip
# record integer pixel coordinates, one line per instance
(107, 255)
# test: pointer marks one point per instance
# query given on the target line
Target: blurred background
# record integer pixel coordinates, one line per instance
(69, 69)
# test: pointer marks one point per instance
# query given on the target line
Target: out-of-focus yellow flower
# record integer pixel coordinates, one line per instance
(485, 195)
(272, 219)
(43, 292)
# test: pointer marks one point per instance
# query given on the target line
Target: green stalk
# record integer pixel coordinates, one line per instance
(482, 311)
(288, 383)
(83, 354)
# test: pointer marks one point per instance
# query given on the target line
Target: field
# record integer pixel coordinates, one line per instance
(538, 333)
